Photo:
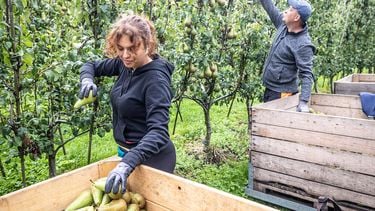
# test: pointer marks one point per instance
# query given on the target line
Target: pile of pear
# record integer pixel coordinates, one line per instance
(94, 199)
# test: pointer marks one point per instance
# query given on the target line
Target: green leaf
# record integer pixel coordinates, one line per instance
(28, 59)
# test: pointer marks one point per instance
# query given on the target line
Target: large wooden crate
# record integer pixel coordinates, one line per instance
(162, 191)
(354, 84)
(301, 156)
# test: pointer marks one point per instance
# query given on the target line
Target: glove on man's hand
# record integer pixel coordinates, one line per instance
(303, 107)
(86, 85)
(117, 177)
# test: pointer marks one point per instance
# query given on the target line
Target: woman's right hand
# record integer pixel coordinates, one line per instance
(87, 84)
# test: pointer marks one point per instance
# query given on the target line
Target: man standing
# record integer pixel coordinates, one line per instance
(291, 55)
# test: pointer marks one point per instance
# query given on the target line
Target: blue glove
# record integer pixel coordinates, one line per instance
(117, 177)
(86, 85)
(303, 107)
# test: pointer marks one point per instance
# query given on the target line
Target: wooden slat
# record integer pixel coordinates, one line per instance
(354, 88)
(320, 123)
(337, 142)
(336, 100)
(339, 111)
(324, 156)
(355, 78)
(282, 104)
(313, 172)
(152, 206)
(366, 78)
(177, 193)
(314, 188)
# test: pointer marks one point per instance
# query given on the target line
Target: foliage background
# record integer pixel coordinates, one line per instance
(218, 48)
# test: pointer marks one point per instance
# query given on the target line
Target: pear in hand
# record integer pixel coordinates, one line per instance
(85, 101)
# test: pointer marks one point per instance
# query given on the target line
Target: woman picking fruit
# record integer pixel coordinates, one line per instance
(140, 98)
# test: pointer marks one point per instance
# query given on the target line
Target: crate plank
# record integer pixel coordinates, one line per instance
(314, 189)
(338, 142)
(284, 103)
(365, 77)
(324, 156)
(336, 100)
(358, 83)
(313, 172)
(339, 111)
(329, 124)
(187, 195)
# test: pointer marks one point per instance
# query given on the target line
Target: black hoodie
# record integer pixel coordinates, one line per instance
(140, 102)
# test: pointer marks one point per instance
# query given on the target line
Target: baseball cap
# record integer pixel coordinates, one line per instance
(303, 8)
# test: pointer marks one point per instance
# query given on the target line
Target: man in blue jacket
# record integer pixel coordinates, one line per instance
(290, 59)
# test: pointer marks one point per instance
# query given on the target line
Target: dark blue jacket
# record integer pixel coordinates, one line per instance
(140, 102)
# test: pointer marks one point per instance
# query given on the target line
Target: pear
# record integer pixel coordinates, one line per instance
(127, 197)
(106, 199)
(88, 208)
(97, 194)
(133, 207)
(114, 205)
(138, 199)
(117, 195)
(85, 101)
(84, 199)
(100, 183)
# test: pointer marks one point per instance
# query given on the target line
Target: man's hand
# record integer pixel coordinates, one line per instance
(86, 85)
(117, 177)
(303, 107)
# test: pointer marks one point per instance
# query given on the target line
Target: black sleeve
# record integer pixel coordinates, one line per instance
(105, 67)
(157, 101)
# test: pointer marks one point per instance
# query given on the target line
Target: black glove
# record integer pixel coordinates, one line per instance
(118, 176)
(86, 85)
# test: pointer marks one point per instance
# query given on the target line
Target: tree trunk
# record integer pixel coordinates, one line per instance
(2, 170)
(207, 121)
(52, 165)
(23, 169)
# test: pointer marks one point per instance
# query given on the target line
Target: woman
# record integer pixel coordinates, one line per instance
(140, 98)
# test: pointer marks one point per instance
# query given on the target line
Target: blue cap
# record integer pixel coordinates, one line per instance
(303, 8)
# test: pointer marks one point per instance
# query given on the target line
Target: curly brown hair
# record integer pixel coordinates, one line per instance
(138, 28)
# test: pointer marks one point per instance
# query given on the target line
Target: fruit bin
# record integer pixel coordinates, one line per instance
(162, 191)
(354, 84)
(297, 157)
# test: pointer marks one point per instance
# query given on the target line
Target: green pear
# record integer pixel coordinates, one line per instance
(97, 194)
(84, 199)
(106, 199)
(118, 195)
(100, 183)
(127, 197)
(133, 207)
(114, 205)
(138, 199)
(88, 208)
(85, 101)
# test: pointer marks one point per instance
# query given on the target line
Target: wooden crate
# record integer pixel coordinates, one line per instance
(162, 191)
(304, 155)
(354, 84)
